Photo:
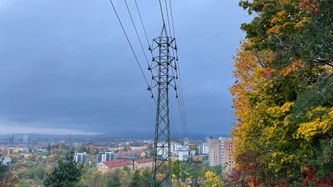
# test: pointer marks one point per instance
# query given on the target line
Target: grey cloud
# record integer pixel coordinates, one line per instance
(66, 64)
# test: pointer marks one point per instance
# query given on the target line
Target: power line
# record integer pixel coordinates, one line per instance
(172, 20)
(179, 81)
(180, 98)
(129, 43)
(136, 31)
(162, 14)
(167, 13)
(174, 127)
(141, 20)
(182, 101)
(179, 103)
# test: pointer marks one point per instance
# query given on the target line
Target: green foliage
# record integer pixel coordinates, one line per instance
(93, 177)
(114, 182)
(179, 170)
(283, 95)
(66, 174)
(3, 172)
(145, 179)
(136, 179)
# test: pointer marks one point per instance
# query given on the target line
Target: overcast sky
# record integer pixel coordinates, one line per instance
(65, 66)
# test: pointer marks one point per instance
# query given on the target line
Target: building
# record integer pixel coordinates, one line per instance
(81, 158)
(143, 163)
(186, 141)
(183, 154)
(203, 148)
(175, 146)
(113, 164)
(118, 164)
(192, 152)
(132, 154)
(223, 140)
(6, 161)
(229, 161)
(138, 148)
(162, 150)
(215, 152)
(105, 156)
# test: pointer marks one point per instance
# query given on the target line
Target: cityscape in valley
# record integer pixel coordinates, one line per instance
(31, 157)
(166, 93)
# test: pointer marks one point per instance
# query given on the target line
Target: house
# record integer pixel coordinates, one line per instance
(113, 164)
(132, 154)
(143, 163)
(118, 164)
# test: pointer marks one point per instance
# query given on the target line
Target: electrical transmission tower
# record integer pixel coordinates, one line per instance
(165, 73)
(162, 66)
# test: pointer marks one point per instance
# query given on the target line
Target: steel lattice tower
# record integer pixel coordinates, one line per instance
(161, 68)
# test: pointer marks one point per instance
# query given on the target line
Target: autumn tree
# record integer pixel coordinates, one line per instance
(210, 179)
(283, 94)
(67, 173)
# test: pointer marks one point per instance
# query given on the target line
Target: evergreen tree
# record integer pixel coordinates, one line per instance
(145, 179)
(115, 181)
(3, 172)
(66, 174)
(136, 179)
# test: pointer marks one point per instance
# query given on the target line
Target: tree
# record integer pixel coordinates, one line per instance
(49, 148)
(136, 179)
(66, 174)
(114, 179)
(283, 94)
(145, 179)
(3, 173)
(92, 177)
(210, 179)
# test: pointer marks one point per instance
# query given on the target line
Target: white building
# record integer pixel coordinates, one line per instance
(204, 149)
(105, 156)
(162, 150)
(137, 148)
(183, 154)
(192, 152)
(81, 158)
(6, 161)
(175, 146)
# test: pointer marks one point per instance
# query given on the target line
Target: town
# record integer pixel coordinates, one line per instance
(30, 157)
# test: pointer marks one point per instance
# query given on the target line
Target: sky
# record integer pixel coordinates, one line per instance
(65, 66)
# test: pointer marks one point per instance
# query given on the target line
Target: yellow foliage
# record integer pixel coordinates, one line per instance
(303, 22)
(278, 111)
(292, 68)
(210, 179)
(318, 125)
